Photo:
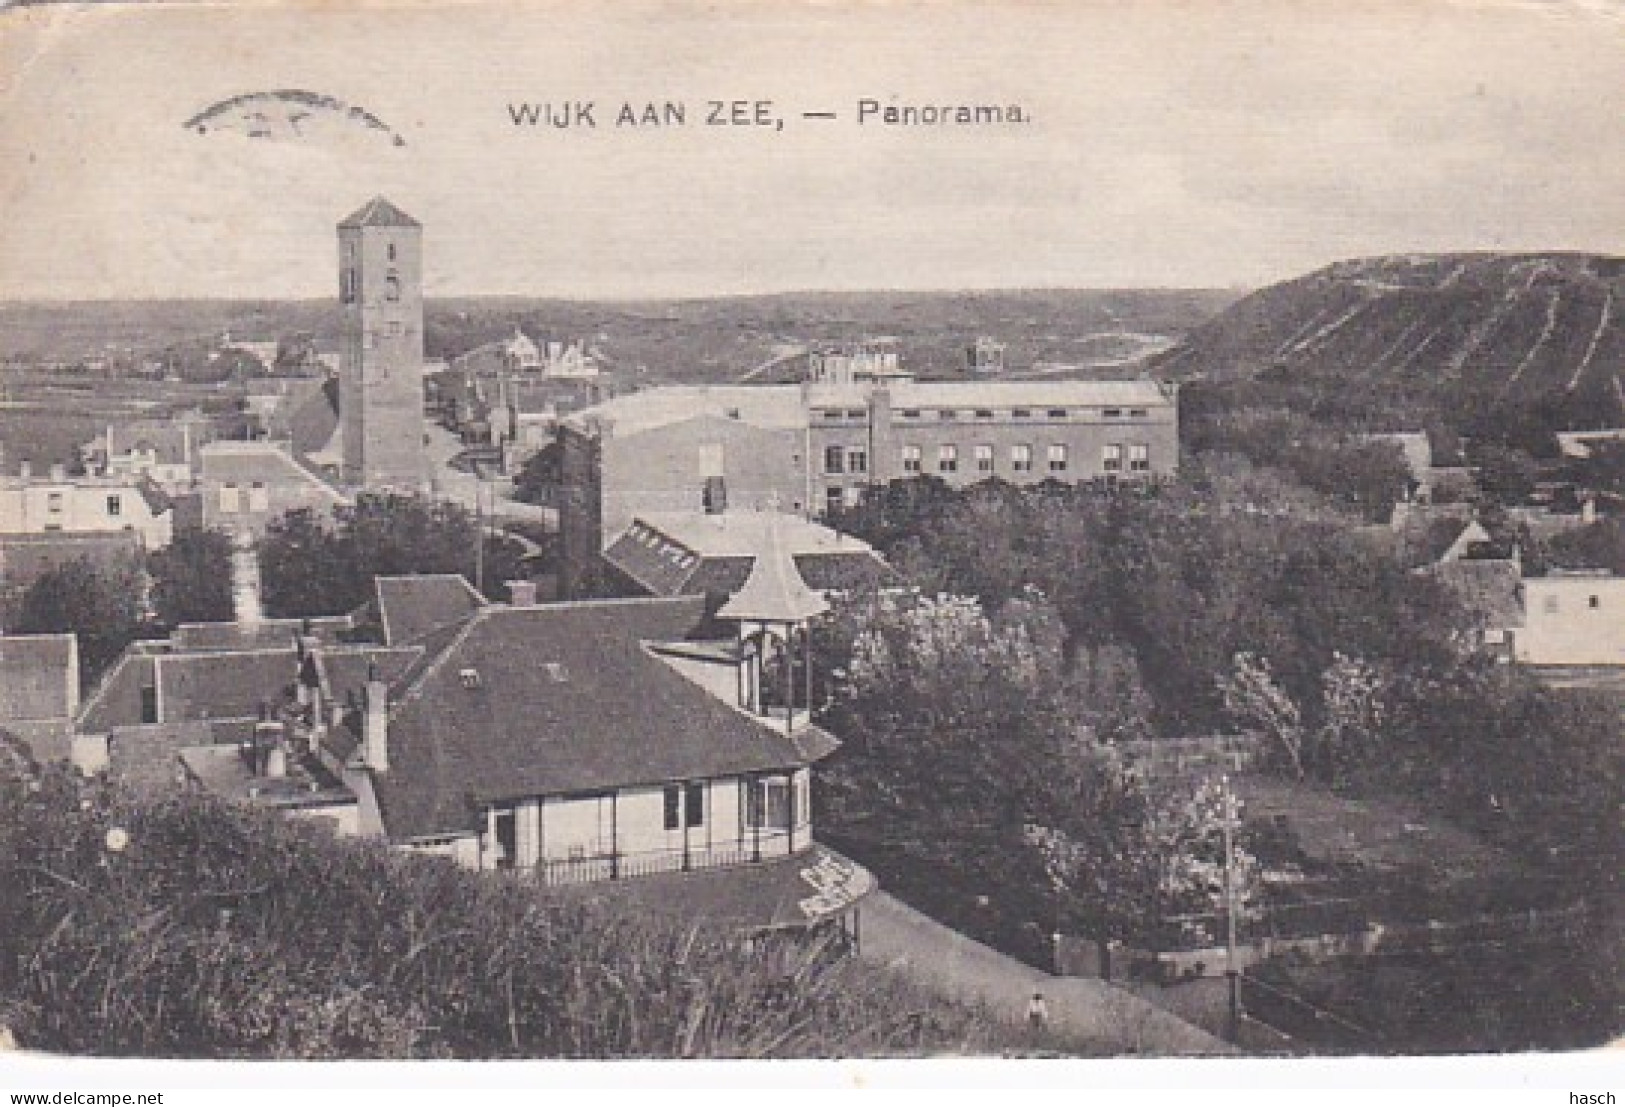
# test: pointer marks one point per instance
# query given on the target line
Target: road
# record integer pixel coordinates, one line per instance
(1102, 1018)
(465, 488)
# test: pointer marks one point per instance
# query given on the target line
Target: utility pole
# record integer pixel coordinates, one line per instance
(479, 529)
(1231, 975)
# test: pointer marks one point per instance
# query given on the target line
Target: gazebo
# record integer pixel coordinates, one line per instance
(773, 608)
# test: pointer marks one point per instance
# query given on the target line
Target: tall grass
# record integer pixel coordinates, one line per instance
(218, 931)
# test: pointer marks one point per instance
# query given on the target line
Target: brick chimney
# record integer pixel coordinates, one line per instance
(522, 593)
(884, 465)
(375, 726)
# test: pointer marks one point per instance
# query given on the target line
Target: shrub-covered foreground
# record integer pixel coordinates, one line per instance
(174, 925)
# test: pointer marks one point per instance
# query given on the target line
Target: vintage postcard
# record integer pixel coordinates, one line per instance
(1044, 532)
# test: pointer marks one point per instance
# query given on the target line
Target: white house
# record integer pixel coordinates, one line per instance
(1572, 618)
(31, 503)
(561, 742)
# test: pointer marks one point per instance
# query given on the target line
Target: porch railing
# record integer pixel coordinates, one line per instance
(626, 866)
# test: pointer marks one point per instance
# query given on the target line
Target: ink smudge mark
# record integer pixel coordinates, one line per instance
(289, 115)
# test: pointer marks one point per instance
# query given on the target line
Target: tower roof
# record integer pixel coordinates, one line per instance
(774, 592)
(378, 212)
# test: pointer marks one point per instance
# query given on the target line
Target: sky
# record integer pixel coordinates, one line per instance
(1197, 143)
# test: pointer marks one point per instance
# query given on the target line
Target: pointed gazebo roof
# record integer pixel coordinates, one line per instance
(774, 592)
(378, 212)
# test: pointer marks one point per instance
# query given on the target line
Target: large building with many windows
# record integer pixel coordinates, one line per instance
(808, 447)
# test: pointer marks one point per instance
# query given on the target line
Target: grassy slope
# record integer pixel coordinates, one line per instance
(1521, 327)
(220, 932)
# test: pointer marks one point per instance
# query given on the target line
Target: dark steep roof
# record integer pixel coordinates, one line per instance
(665, 567)
(378, 212)
(24, 558)
(561, 698)
(218, 681)
(411, 607)
(227, 684)
(199, 637)
(1488, 588)
(38, 677)
(312, 417)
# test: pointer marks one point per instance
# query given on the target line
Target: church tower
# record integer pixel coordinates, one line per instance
(381, 367)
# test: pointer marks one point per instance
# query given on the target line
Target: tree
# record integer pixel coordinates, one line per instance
(311, 567)
(1254, 698)
(1601, 545)
(191, 578)
(1112, 698)
(1155, 872)
(951, 720)
(306, 568)
(1603, 469)
(1355, 714)
(105, 607)
(1364, 477)
(1506, 475)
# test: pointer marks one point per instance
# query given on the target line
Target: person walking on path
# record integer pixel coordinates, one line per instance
(1037, 1014)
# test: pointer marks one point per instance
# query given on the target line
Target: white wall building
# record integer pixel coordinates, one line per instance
(31, 503)
(1573, 618)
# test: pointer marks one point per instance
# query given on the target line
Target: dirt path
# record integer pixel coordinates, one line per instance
(1103, 1018)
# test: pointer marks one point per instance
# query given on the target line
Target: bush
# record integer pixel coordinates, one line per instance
(219, 931)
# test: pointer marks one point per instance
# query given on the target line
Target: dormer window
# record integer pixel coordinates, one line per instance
(469, 678)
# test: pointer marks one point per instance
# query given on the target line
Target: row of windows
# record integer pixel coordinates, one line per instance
(1057, 458)
(234, 499)
(768, 805)
(1550, 605)
(835, 415)
(349, 287)
(846, 459)
(54, 502)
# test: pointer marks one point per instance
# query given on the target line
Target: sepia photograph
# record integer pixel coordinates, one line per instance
(1071, 535)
